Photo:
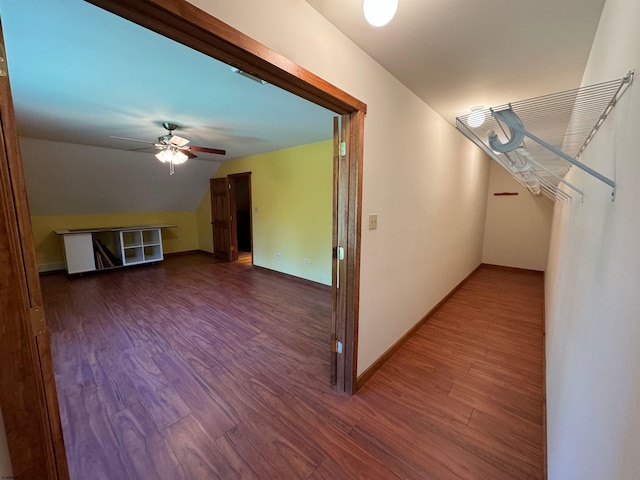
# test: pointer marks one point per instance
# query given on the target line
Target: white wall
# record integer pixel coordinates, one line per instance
(426, 182)
(517, 228)
(593, 285)
(5, 461)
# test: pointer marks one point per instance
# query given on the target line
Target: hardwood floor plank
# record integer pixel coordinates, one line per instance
(114, 396)
(240, 468)
(197, 452)
(196, 369)
(142, 370)
(145, 450)
(92, 450)
(239, 440)
(165, 406)
(205, 407)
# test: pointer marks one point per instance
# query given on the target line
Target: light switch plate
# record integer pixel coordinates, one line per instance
(373, 221)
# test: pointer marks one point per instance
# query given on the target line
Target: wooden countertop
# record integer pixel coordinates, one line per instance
(72, 231)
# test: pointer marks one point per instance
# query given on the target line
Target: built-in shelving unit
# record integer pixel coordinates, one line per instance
(141, 246)
(540, 139)
(91, 249)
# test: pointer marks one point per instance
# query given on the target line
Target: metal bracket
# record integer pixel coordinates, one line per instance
(518, 132)
(37, 320)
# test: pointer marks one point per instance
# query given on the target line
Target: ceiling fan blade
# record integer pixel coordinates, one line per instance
(189, 154)
(140, 149)
(131, 139)
(178, 141)
(207, 150)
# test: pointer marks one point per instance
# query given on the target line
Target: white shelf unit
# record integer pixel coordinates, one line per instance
(124, 246)
(141, 246)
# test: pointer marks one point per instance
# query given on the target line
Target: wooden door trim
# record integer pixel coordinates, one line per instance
(233, 223)
(181, 21)
(185, 23)
(355, 149)
(248, 175)
(27, 389)
(191, 26)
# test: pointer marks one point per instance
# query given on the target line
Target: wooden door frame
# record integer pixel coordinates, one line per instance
(187, 24)
(183, 22)
(28, 397)
(235, 228)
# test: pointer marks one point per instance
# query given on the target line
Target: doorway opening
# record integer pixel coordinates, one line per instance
(231, 218)
(185, 23)
(243, 232)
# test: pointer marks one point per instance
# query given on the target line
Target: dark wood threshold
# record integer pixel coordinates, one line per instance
(375, 366)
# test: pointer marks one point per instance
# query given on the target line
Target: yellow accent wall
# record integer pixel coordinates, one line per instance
(292, 192)
(50, 251)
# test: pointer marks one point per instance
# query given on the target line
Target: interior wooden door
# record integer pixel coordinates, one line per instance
(28, 396)
(221, 218)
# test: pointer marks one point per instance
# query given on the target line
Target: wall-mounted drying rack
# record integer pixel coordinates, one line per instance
(540, 139)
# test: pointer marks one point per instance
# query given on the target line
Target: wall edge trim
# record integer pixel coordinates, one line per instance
(294, 278)
(382, 359)
(51, 267)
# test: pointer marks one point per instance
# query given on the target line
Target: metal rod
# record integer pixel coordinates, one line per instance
(569, 159)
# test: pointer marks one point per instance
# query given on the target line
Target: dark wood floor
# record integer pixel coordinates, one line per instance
(193, 369)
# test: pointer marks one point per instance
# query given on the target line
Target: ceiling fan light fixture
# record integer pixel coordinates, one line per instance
(379, 12)
(476, 117)
(170, 155)
(179, 157)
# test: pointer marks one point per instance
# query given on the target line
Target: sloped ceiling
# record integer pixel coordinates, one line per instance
(456, 54)
(80, 74)
(67, 178)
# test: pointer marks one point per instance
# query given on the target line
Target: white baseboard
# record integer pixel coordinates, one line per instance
(51, 267)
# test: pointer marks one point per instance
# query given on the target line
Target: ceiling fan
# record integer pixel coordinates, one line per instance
(172, 148)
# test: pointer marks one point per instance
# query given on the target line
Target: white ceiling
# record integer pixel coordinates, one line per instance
(455, 54)
(80, 74)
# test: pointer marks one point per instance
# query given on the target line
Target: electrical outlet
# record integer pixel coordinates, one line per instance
(278, 256)
(373, 221)
(306, 261)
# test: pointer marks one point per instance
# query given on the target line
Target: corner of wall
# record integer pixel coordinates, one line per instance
(203, 222)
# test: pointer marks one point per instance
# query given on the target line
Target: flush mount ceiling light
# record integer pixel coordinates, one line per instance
(476, 117)
(379, 12)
